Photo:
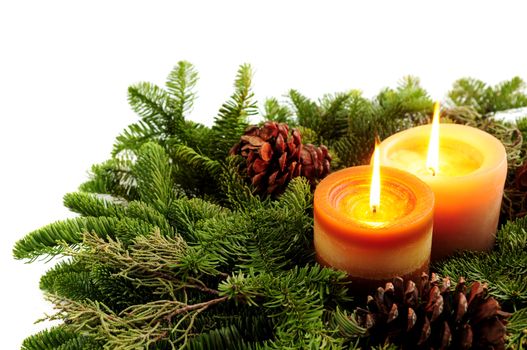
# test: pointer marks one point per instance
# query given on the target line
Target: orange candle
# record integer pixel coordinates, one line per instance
(378, 234)
(466, 169)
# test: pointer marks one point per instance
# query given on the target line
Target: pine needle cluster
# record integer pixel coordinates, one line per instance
(172, 248)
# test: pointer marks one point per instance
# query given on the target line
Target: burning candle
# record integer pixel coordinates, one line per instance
(466, 169)
(374, 223)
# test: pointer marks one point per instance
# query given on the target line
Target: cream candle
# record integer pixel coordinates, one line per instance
(466, 168)
(373, 234)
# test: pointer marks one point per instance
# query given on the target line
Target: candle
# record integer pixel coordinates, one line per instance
(466, 169)
(373, 235)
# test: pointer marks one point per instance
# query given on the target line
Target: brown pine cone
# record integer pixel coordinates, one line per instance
(434, 316)
(315, 162)
(274, 156)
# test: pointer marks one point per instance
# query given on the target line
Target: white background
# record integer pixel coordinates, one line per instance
(65, 67)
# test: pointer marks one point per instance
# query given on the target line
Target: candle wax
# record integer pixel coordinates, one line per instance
(373, 247)
(468, 185)
(396, 202)
(457, 158)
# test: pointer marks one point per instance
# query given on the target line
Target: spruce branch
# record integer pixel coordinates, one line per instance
(504, 268)
(469, 92)
(185, 215)
(256, 289)
(112, 177)
(334, 118)
(407, 101)
(270, 237)
(361, 125)
(47, 240)
(181, 83)
(509, 94)
(51, 239)
(252, 324)
(96, 205)
(233, 115)
(152, 103)
(163, 264)
(238, 194)
(397, 109)
(277, 112)
(487, 99)
(306, 111)
(144, 324)
(227, 337)
(162, 111)
(77, 281)
(198, 137)
(195, 173)
(189, 159)
(278, 238)
(71, 279)
(225, 238)
(153, 173)
(346, 324)
(295, 299)
(517, 330)
(134, 136)
(116, 292)
(60, 338)
(347, 122)
(298, 196)
(89, 204)
(144, 212)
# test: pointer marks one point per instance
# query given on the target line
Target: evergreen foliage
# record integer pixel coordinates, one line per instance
(233, 116)
(48, 239)
(489, 99)
(162, 111)
(504, 269)
(60, 338)
(88, 204)
(154, 183)
(274, 111)
(112, 177)
(71, 279)
(172, 248)
(347, 122)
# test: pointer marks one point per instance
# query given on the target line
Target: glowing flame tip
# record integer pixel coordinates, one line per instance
(375, 187)
(432, 159)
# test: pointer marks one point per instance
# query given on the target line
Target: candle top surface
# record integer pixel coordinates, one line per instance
(352, 199)
(464, 151)
(456, 158)
(342, 202)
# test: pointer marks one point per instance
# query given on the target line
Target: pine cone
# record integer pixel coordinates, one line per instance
(274, 157)
(434, 316)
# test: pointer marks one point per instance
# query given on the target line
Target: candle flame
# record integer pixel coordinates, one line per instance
(375, 187)
(432, 160)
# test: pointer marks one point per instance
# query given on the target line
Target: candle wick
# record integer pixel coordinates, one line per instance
(374, 208)
(432, 171)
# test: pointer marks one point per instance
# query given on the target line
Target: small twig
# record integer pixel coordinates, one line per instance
(223, 275)
(193, 307)
(203, 289)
